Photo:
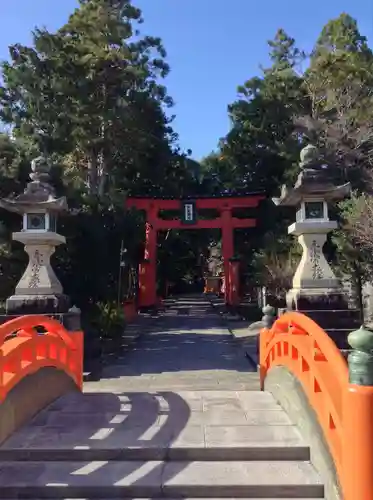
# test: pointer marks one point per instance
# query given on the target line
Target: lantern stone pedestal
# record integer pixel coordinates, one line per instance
(315, 285)
(39, 289)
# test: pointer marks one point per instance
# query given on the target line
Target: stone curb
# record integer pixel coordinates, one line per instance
(250, 349)
(133, 331)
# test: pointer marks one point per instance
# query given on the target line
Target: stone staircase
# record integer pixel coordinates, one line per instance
(187, 444)
(180, 416)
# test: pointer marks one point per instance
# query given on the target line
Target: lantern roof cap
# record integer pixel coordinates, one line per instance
(316, 180)
(38, 195)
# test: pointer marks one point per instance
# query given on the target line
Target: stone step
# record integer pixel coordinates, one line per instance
(196, 425)
(343, 318)
(207, 380)
(156, 479)
(348, 313)
(339, 336)
(282, 450)
(200, 426)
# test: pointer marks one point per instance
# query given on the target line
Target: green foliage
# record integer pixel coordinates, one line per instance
(92, 252)
(275, 263)
(352, 243)
(354, 240)
(109, 319)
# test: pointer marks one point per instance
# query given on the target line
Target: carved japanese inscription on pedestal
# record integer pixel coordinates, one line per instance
(35, 270)
(315, 254)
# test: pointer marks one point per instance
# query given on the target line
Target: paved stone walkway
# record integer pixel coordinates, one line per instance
(189, 348)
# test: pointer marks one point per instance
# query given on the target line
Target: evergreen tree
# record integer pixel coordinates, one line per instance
(260, 145)
(339, 83)
(92, 90)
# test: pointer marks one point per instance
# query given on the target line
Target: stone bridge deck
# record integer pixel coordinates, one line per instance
(180, 416)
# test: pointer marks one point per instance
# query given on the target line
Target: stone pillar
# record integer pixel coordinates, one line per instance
(368, 302)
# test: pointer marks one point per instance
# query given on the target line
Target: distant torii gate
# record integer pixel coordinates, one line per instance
(189, 220)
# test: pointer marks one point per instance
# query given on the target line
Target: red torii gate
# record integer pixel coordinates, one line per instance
(226, 222)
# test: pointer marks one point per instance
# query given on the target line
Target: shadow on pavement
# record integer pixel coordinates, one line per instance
(104, 433)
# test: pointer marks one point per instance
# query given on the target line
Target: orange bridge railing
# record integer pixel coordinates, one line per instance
(29, 343)
(342, 400)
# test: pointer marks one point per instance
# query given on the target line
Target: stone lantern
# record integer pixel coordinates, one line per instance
(39, 290)
(315, 286)
(214, 275)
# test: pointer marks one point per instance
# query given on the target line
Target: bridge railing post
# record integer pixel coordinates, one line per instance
(72, 324)
(357, 439)
(78, 337)
(268, 318)
(2, 389)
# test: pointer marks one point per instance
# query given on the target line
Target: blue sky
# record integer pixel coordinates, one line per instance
(213, 46)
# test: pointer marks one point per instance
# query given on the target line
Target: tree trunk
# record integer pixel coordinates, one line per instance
(93, 174)
(102, 175)
(359, 290)
(97, 175)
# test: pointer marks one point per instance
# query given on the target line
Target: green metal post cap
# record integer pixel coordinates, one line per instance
(360, 359)
(269, 315)
(361, 339)
(269, 310)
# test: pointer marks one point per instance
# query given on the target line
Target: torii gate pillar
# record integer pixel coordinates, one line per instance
(234, 282)
(148, 269)
(227, 248)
